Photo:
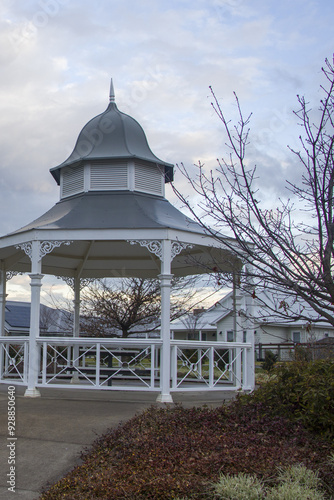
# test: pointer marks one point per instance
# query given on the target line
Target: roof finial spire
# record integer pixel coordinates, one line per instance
(112, 92)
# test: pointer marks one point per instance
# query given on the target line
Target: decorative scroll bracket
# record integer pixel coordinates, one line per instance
(177, 248)
(45, 247)
(11, 274)
(71, 281)
(155, 246)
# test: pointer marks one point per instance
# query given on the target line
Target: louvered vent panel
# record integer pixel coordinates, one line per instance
(72, 181)
(148, 178)
(105, 177)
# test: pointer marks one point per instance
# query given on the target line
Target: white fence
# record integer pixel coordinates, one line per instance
(127, 364)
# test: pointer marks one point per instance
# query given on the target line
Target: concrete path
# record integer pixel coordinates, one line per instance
(52, 430)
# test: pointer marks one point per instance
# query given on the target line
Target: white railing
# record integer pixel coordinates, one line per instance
(208, 365)
(100, 363)
(14, 360)
(127, 364)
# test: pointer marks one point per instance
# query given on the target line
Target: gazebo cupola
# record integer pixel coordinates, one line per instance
(112, 154)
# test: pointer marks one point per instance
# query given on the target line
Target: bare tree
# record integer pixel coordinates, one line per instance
(192, 322)
(130, 305)
(61, 320)
(288, 259)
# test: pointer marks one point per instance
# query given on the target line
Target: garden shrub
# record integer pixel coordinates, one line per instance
(295, 482)
(174, 452)
(302, 353)
(294, 491)
(303, 391)
(244, 486)
(299, 474)
(269, 361)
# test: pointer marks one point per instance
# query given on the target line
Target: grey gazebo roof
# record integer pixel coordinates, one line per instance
(116, 210)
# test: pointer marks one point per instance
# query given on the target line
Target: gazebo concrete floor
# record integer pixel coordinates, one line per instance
(52, 430)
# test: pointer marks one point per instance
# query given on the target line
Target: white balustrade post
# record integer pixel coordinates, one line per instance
(152, 351)
(3, 355)
(76, 328)
(174, 366)
(211, 366)
(249, 382)
(35, 284)
(238, 329)
(165, 284)
(33, 367)
(76, 317)
(2, 300)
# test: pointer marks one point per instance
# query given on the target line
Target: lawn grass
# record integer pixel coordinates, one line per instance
(172, 452)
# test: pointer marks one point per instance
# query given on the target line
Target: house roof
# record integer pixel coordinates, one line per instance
(203, 321)
(17, 317)
(287, 310)
(17, 314)
(209, 319)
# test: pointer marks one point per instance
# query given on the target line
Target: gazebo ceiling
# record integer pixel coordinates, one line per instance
(118, 258)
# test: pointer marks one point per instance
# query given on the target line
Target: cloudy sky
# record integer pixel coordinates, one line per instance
(57, 58)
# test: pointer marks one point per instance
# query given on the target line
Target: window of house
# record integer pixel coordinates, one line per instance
(296, 337)
(230, 336)
(244, 336)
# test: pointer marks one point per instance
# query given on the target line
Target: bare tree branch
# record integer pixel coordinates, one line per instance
(130, 305)
(286, 256)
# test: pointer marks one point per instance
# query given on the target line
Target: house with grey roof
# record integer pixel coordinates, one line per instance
(52, 321)
(270, 327)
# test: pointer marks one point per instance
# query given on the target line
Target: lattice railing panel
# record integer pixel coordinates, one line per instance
(210, 366)
(13, 361)
(98, 364)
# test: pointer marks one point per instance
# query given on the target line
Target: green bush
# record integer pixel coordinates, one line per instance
(294, 482)
(301, 475)
(269, 361)
(302, 391)
(302, 353)
(243, 486)
(297, 483)
(294, 491)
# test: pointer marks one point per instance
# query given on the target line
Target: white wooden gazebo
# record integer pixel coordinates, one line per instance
(113, 220)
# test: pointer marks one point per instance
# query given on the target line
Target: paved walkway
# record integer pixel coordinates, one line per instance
(53, 429)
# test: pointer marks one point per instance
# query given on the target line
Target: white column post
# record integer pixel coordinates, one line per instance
(76, 327)
(238, 331)
(165, 283)
(2, 300)
(249, 382)
(35, 283)
(76, 318)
